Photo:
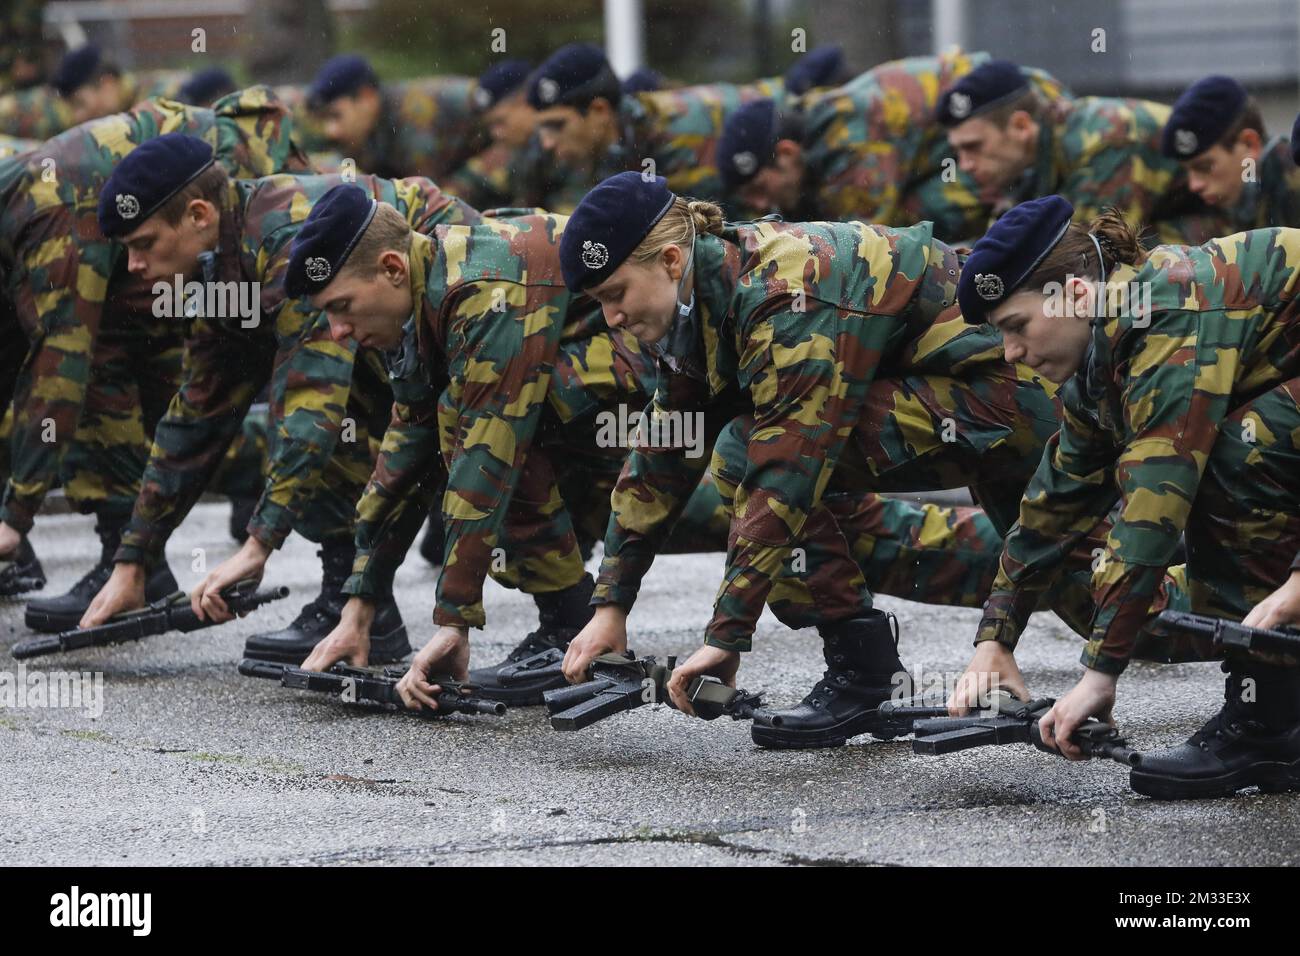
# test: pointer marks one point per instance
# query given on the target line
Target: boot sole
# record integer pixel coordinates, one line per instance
(386, 649)
(784, 738)
(1270, 778)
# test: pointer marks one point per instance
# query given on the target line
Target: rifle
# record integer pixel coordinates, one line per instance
(361, 686)
(171, 613)
(619, 683)
(1007, 720)
(1229, 634)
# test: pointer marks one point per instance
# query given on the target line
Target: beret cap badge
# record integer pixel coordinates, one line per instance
(594, 254)
(317, 268)
(128, 207)
(959, 104)
(1185, 141)
(746, 162)
(989, 286)
(547, 89)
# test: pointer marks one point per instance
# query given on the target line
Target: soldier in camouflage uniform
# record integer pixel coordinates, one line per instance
(1181, 393)
(1097, 152)
(327, 400)
(869, 150)
(21, 44)
(12, 145)
(587, 125)
(1216, 132)
(101, 366)
(835, 354)
(508, 469)
(425, 127)
(37, 113)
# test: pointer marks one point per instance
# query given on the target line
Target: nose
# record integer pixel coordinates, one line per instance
(548, 138)
(339, 330)
(135, 263)
(1195, 183)
(1013, 350)
(614, 318)
(966, 163)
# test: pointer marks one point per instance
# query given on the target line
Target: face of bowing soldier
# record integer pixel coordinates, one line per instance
(369, 301)
(641, 296)
(1050, 334)
(159, 250)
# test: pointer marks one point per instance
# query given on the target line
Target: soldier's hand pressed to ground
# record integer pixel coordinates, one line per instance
(349, 641)
(605, 633)
(991, 667)
(9, 541)
(249, 562)
(1093, 696)
(1279, 609)
(706, 662)
(123, 591)
(446, 653)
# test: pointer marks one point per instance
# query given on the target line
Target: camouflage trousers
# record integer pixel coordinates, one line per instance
(133, 373)
(1243, 532)
(917, 433)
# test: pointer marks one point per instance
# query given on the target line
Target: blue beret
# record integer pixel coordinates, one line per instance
(571, 74)
(608, 225)
(1011, 249)
(1201, 116)
(498, 81)
(76, 69)
(206, 85)
(984, 88)
(147, 177)
(327, 238)
(644, 80)
(342, 75)
(1295, 141)
(822, 66)
(747, 142)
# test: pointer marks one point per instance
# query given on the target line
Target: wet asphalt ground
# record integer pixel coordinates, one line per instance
(190, 763)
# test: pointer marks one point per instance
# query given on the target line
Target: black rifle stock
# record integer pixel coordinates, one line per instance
(1006, 720)
(362, 686)
(1229, 634)
(620, 683)
(171, 613)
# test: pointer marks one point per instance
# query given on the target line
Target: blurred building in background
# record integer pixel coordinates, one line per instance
(1147, 47)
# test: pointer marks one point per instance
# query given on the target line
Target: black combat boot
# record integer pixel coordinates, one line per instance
(22, 572)
(562, 614)
(64, 612)
(292, 645)
(1253, 741)
(862, 671)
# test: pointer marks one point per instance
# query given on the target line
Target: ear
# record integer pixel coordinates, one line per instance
(789, 150)
(393, 266)
(675, 260)
(202, 213)
(1250, 141)
(1081, 297)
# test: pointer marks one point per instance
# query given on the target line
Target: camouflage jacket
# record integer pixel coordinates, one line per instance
(873, 150)
(58, 269)
(21, 29)
(426, 127)
(1140, 421)
(38, 113)
(1272, 197)
(1100, 152)
(791, 323)
(491, 315)
(229, 358)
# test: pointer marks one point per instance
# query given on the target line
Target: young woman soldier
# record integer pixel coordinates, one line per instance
(1181, 403)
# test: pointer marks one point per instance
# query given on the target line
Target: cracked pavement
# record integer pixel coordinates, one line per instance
(191, 763)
